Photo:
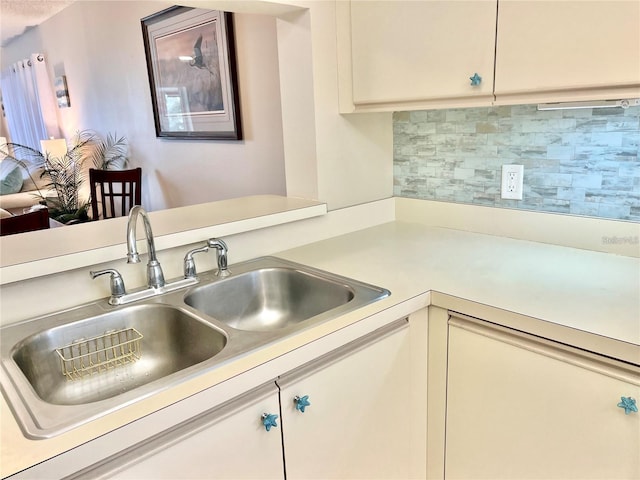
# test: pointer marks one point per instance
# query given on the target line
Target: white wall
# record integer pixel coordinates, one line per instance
(98, 45)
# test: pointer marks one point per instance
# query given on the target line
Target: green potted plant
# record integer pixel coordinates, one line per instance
(110, 153)
(67, 174)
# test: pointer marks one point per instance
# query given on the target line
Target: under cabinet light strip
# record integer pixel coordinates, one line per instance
(625, 103)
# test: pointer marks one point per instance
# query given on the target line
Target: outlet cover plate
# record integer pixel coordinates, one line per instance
(512, 181)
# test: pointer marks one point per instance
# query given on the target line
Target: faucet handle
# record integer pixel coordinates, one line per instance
(116, 282)
(190, 264)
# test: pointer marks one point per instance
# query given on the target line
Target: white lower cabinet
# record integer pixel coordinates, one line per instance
(522, 407)
(359, 419)
(355, 426)
(228, 442)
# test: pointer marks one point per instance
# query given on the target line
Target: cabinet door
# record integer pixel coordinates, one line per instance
(416, 51)
(230, 442)
(555, 46)
(358, 422)
(521, 407)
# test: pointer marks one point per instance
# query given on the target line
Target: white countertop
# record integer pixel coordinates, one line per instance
(589, 292)
(588, 299)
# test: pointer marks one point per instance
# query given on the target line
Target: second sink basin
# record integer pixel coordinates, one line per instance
(274, 294)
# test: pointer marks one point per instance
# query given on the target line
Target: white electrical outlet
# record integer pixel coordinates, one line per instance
(512, 184)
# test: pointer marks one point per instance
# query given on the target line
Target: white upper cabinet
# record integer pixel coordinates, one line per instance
(420, 53)
(567, 50)
(408, 55)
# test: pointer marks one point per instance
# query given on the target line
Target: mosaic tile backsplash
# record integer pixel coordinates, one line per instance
(582, 162)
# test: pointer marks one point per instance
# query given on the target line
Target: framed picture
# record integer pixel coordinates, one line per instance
(192, 72)
(62, 93)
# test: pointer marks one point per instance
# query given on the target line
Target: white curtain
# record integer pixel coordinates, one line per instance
(29, 102)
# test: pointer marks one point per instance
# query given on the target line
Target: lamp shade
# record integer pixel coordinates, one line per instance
(55, 147)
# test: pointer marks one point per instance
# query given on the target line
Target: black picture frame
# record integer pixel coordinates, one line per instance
(191, 61)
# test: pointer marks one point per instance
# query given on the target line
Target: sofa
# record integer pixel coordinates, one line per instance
(30, 191)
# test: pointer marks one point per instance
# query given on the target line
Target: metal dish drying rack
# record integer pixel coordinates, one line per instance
(100, 354)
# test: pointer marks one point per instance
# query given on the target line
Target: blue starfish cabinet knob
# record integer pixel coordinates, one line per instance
(269, 420)
(475, 80)
(301, 402)
(629, 405)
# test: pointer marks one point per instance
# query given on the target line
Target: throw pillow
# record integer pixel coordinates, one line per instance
(36, 181)
(10, 179)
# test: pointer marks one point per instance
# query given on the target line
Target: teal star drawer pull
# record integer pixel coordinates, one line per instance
(629, 405)
(269, 420)
(301, 402)
(475, 80)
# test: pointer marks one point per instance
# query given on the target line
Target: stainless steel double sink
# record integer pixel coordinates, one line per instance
(65, 369)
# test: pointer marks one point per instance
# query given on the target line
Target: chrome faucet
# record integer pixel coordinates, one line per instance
(155, 277)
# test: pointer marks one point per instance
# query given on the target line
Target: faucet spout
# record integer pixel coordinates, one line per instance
(155, 277)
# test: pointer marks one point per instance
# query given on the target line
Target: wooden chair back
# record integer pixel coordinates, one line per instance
(114, 192)
(26, 222)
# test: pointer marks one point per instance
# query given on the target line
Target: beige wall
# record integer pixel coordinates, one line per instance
(99, 47)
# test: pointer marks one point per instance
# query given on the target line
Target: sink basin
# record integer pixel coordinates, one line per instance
(170, 341)
(279, 295)
(63, 370)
